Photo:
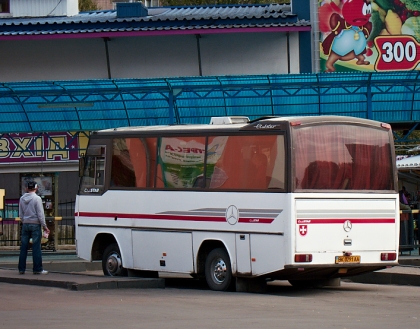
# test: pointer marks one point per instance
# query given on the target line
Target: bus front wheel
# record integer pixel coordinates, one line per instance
(218, 270)
(112, 261)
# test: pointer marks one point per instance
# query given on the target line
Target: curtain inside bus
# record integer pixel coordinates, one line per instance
(343, 157)
(249, 162)
(134, 162)
(227, 162)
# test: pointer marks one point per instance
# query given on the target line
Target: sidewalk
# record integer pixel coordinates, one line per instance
(70, 272)
(407, 273)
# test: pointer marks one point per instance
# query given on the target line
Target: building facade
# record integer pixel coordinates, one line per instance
(49, 40)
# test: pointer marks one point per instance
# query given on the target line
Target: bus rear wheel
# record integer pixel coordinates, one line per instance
(218, 270)
(112, 262)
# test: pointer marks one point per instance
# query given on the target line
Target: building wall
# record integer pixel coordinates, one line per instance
(68, 184)
(247, 53)
(104, 4)
(63, 59)
(149, 57)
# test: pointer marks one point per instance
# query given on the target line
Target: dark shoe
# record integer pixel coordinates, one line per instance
(42, 272)
(21, 272)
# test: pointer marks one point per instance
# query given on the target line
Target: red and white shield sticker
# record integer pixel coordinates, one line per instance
(303, 229)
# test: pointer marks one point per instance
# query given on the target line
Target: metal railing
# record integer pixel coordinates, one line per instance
(62, 226)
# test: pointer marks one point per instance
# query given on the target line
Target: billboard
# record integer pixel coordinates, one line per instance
(48, 147)
(369, 35)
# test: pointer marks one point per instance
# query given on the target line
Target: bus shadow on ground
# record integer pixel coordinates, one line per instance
(186, 283)
(279, 288)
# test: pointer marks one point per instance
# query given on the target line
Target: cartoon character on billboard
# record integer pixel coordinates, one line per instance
(350, 27)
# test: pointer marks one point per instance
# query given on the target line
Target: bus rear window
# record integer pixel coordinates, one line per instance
(342, 157)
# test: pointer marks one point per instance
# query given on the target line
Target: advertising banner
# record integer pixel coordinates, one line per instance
(183, 161)
(33, 147)
(369, 35)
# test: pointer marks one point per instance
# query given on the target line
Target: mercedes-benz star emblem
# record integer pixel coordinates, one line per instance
(347, 226)
(232, 215)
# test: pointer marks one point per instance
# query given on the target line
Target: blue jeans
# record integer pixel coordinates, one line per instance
(30, 231)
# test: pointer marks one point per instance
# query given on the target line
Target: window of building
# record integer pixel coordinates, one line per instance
(4, 6)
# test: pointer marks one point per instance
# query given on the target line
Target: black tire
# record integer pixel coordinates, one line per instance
(112, 262)
(218, 270)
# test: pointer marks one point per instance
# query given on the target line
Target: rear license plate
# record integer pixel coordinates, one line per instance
(347, 259)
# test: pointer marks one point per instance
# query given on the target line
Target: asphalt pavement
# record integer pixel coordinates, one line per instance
(68, 271)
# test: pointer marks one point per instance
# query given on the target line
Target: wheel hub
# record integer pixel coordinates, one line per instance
(114, 263)
(219, 273)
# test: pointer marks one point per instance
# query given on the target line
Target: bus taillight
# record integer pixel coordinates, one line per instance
(388, 256)
(303, 258)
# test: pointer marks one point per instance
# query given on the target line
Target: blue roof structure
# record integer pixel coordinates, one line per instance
(159, 20)
(98, 104)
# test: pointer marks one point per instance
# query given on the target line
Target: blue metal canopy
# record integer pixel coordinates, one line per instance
(97, 104)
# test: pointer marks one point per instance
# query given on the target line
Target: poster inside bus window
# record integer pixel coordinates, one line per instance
(369, 35)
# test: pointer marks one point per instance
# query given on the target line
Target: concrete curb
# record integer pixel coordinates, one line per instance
(60, 266)
(139, 283)
(79, 282)
(387, 278)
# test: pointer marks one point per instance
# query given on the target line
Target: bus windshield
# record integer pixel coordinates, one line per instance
(342, 157)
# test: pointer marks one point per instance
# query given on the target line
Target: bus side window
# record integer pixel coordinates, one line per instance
(122, 171)
(276, 171)
(248, 163)
(133, 162)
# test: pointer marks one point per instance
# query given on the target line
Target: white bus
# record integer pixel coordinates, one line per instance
(303, 199)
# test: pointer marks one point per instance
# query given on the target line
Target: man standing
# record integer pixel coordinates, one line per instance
(32, 216)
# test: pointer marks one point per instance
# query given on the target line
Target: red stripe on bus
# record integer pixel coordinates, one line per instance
(175, 217)
(342, 220)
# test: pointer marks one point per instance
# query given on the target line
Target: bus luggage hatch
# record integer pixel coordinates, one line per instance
(243, 254)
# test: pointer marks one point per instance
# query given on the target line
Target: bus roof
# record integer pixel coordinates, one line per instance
(234, 124)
